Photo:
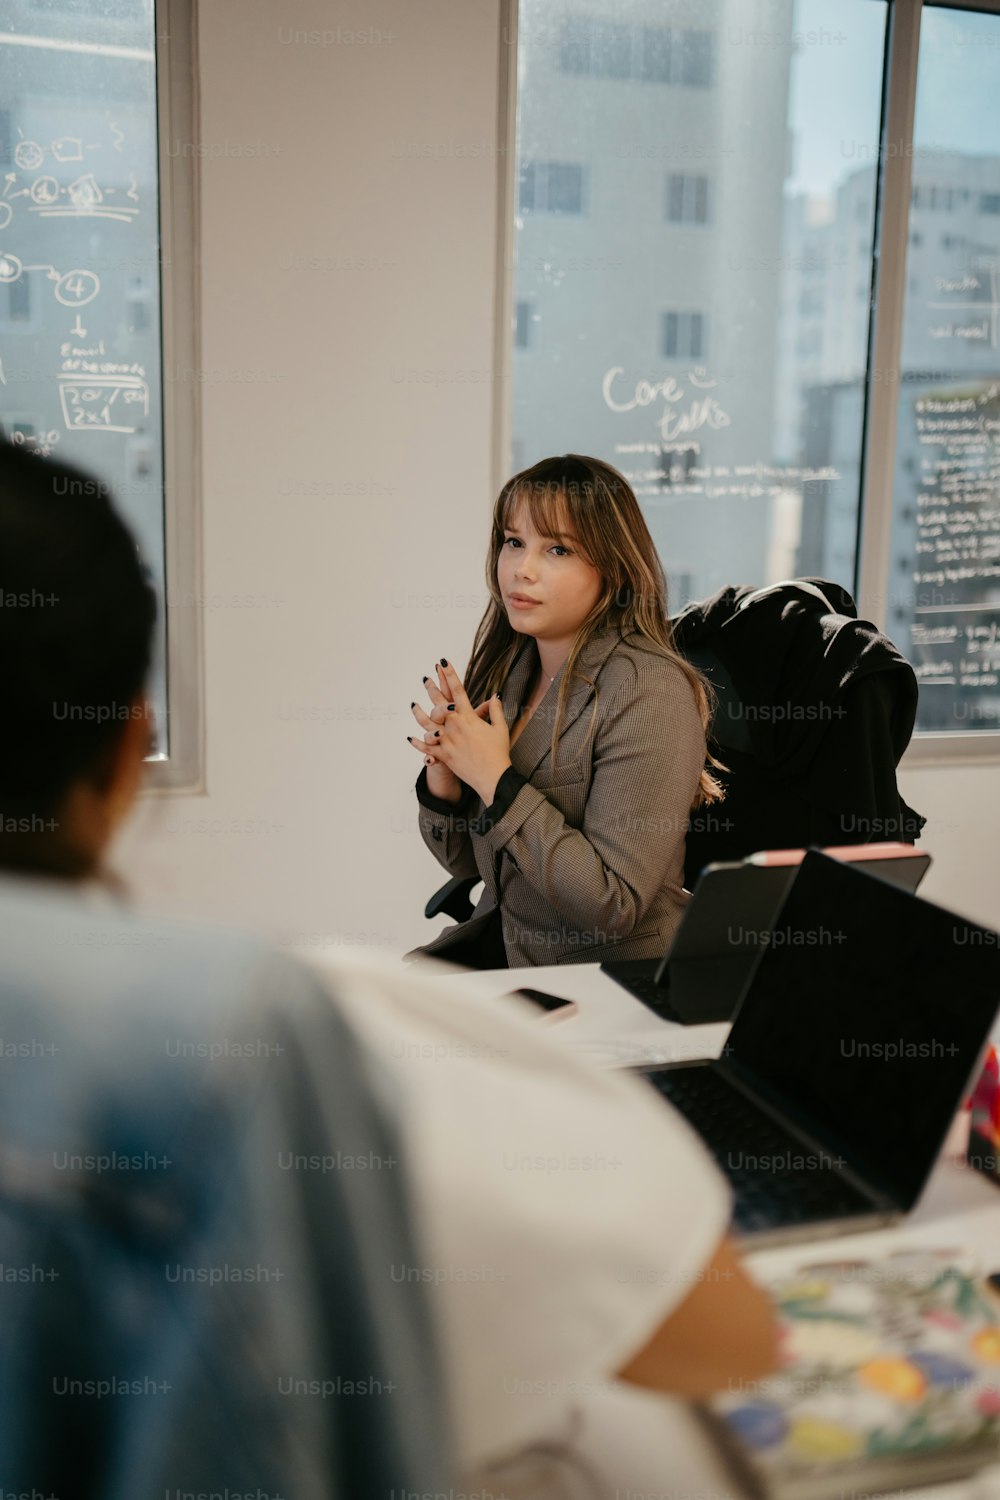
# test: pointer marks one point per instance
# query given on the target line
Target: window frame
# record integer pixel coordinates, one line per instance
(694, 193)
(888, 292)
(679, 51)
(182, 769)
(527, 344)
(541, 174)
(685, 324)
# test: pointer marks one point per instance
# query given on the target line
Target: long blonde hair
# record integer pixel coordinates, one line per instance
(615, 538)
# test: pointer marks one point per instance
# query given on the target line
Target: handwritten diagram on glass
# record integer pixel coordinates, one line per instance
(80, 352)
(946, 517)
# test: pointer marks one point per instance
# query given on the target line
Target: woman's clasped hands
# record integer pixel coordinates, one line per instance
(460, 743)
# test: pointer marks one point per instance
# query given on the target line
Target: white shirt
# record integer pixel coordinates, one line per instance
(564, 1211)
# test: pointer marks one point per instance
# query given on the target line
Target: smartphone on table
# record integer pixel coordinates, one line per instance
(554, 1005)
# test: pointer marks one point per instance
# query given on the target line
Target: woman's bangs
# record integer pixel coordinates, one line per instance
(546, 505)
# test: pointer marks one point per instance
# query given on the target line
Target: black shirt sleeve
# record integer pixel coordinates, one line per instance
(438, 804)
(507, 788)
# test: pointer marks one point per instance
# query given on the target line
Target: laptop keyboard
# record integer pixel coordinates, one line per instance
(776, 1178)
(656, 996)
(712, 996)
(636, 976)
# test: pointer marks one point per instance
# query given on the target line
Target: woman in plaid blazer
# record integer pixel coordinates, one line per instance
(567, 790)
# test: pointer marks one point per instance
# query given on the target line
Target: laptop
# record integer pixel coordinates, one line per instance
(859, 1033)
(728, 922)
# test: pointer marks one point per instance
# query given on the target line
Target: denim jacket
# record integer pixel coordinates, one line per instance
(200, 1204)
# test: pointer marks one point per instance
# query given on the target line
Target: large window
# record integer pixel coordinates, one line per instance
(713, 326)
(84, 372)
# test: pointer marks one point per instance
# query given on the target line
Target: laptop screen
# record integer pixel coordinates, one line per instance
(866, 1014)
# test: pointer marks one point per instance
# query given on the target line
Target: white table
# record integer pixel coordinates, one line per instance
(959, 1208)
(610, 1025)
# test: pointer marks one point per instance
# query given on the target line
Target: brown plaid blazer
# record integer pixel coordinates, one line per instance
(587, 861)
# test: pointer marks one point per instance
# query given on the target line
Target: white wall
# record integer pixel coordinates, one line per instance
(962, 808)
(327, 842)
(376, 374)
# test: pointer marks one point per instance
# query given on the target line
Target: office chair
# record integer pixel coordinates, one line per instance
(453, 899)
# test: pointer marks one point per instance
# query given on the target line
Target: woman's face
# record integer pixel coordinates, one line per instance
(548, 586)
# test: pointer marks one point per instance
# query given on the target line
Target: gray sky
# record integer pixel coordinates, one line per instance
(836, 86)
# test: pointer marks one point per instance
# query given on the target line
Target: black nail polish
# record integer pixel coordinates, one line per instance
(437, 734)
(451, 705)
(426, 679)
(413, 705)
(443, 662)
